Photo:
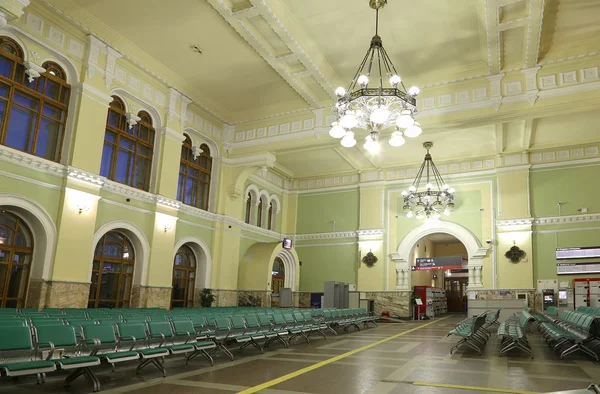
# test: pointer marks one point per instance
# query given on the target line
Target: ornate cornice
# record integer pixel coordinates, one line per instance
(549, 220)
(30, 161)
(338, 235)
(86, 177)
(168, 202)
(128, 191)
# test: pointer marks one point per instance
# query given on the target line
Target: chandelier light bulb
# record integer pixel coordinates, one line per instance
(436, 215)
(340, 92)
(348, 141)
(447, 212)
(428, 186)
(380, 115)
(445, 187)
(395, 80)
(337, 131)
(371, 145)
(405, 120)
(420, 216)
(348, 121)
(414, 91)
(397, 140)
(412, 188)
(451, 190)
(363, 80)
(409, 214)
(414, 130)
(404, 193)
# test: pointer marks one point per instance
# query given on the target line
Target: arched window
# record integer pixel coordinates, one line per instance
(248, 207)
(270, 218)
(33, 111)
(112, 272)
(127, 152)
(184, 278)
(259, 216)
(194, 175)
(16, 249)
(277, 276)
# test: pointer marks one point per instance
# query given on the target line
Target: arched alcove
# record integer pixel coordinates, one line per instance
(203, 259)
(256, 267)
(402, 256)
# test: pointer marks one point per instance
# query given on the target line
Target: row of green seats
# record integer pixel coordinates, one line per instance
(472, 333)
(572, 331)
(512, 332)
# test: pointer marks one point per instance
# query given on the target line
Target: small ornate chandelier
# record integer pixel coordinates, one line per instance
(437, 198)
(369, 105)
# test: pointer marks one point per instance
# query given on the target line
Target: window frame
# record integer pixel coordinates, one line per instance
(188, 301)
(18, 84)
(122, 132)
(188, 166)
(12, 249)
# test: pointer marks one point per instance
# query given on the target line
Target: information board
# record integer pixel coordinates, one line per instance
(438, 263)
(588, 252)
(578, 269)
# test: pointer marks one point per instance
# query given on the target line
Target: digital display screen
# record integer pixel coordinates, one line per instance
(562, 295)
(548, 298)
(588, 252)
(287, 243)
(437, 263)
(578, 269)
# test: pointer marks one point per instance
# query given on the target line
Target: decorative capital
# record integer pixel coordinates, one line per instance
(234, 193)
(33, 70)
(196, 151)
(132, 119)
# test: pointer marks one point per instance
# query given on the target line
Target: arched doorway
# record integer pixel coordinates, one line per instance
(277, 280)
(112, 272)
(440, 260)
(184, 278)
(16, 251)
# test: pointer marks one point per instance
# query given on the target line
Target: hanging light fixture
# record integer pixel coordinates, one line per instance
(435, 199)
(369, 105)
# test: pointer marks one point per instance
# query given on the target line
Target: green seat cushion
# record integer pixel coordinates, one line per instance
(201, 344)
(22, 366)
(118, 355)
(183, 346)
(77, 360)
(153, 351)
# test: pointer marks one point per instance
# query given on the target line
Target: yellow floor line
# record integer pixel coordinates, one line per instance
(475, 388)
(331, 360)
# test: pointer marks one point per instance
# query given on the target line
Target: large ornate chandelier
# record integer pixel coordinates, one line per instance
(437, 198)
(369, 105)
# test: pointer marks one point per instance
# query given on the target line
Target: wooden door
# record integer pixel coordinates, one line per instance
(456, 292)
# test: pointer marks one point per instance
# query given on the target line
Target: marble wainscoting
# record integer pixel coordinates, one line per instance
(397, 303)
(301, 299)
(242, 297)
(150, 297)
(534, 300)
(37, 293)
(67, 294)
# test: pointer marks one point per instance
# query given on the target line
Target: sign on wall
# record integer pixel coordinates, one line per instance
(438, 263)
(588, 252)
(578, 269)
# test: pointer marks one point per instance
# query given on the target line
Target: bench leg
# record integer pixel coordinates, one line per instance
(158, 362)
(221, 347)
(87, 373)
(200, 352)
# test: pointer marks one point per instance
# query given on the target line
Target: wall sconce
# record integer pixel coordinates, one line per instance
(165, 222)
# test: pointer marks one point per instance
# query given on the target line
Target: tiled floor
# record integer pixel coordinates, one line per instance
(417, 362)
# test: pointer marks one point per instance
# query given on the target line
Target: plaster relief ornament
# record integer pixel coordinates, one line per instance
(514, 254)
(370, 259)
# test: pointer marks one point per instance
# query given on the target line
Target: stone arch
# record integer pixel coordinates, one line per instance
(127, 97)
(264, 198)
(199, 138)
(255, 270)
(253, 191)
(475, 251)
(44, 232)
(277, 204)
(203, 259)
(140, 244)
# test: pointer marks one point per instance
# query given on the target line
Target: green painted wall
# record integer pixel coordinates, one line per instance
(317, 211)
(326, 263)
(544, 248)
(577, 189)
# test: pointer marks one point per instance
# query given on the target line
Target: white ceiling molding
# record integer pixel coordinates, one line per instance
(240, 21)
(339, 234)
(548, 220)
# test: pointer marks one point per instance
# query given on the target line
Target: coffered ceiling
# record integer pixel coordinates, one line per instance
(267, 59)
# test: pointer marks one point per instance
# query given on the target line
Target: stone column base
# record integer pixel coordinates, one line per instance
(66, 294)
(397, 303)
(37, 293)
(150, 297)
